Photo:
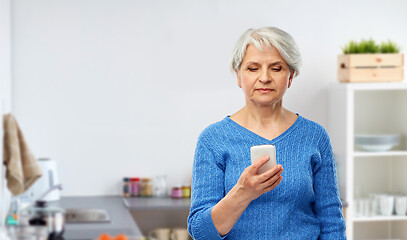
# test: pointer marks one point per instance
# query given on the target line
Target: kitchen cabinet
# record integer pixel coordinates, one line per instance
(369, 108)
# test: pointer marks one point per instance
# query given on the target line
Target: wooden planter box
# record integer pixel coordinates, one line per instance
(371, 67)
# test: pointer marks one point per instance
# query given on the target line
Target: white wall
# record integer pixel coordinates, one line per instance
(5, 97)
(123, 88)
(5, 58)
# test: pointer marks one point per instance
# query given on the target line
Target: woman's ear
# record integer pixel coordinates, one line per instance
(290, 80)
(239, 81)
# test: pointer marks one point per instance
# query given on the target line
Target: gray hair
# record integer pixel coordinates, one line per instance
(271, 36)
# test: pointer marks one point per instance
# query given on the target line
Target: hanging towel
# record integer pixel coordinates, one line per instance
(22, 169)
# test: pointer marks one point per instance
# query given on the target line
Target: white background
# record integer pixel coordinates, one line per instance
(114, 88)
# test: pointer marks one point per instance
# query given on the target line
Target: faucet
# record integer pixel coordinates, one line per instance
(58, 186)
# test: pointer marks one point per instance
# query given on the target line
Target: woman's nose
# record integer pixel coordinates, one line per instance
(265, 76)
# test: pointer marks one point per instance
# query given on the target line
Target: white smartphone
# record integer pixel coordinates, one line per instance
(264, 150)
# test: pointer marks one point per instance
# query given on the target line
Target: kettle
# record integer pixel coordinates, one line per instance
(48, 179)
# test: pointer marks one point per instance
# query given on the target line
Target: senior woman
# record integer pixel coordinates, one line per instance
(297, 198)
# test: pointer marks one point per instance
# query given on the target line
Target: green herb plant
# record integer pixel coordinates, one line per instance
(389, 47)
(370, 46)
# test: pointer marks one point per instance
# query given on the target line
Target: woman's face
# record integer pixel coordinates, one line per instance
(263, 76)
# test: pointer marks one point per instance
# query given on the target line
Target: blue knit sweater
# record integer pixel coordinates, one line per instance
(305, 205)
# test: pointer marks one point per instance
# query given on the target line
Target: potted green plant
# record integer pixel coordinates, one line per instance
(367, 61)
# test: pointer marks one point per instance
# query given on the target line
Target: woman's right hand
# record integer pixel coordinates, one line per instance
(249, 187)
(252, 185)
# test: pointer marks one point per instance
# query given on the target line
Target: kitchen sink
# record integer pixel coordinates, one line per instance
(86, 215)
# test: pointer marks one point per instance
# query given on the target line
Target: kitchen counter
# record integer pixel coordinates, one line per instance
(121, 219)
(119, 210)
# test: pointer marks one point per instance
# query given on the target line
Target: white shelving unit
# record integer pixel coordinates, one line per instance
(369, 108)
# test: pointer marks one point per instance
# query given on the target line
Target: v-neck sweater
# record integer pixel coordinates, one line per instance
(305, 205)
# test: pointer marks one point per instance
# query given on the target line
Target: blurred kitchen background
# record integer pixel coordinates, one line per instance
(120, 88)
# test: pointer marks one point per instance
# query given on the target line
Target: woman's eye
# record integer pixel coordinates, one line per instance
(253, 69)
(276, 69)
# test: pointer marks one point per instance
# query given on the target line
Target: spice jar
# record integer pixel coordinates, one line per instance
(146, 188)
(176, 192)
(186, 191)
(126, 187)
(134, 187)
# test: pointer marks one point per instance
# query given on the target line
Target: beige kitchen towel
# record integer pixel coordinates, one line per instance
(22, 169)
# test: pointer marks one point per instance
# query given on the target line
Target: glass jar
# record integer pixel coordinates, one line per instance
(176, 192)
(126, 187)
(135, 187)
(146, 188)
(186, 191)
(160, 186)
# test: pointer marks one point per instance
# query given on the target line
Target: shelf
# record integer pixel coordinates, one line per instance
(380, 154)
(157, 203)
(369, 108)
(380, 218)
(373, 86)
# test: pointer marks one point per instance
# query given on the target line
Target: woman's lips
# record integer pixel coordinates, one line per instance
(264, 90)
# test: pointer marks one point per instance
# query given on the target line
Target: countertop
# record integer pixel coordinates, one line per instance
(118, 209)
(121, 219)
